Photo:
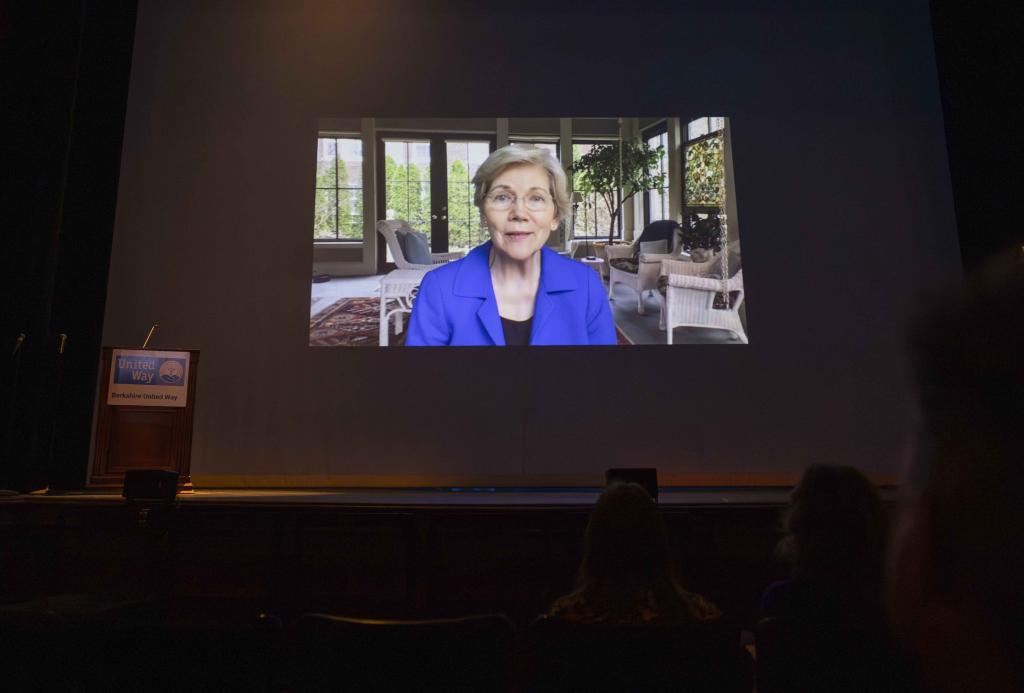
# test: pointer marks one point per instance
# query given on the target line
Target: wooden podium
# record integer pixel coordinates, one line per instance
(137, 436)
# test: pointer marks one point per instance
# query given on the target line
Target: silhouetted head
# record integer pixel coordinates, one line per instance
(835, 527)
(626, 555)
(625, 545)
(957, 561)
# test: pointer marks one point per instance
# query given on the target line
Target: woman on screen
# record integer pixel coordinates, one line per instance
(514, 290)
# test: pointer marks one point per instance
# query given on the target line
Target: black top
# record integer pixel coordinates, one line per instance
(517, 332)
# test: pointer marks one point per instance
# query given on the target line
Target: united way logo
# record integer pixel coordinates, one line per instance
(171, 372)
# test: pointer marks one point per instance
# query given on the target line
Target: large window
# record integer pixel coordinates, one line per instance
(703, 182)
(592, 217)
(656, 200)
(465, 229)
(704, 161)
(338, 206)
(705, 125)
(407, 182)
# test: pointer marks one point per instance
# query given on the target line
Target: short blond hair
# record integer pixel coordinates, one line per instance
(523, 155)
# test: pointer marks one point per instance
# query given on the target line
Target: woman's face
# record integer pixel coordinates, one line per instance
(520, 232)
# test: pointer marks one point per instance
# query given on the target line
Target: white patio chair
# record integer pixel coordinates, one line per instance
(689, 300)
(388, 229)
(640, 273)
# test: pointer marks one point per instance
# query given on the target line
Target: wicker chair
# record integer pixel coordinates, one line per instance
(388, 229)
(692, 298)
(640, 274)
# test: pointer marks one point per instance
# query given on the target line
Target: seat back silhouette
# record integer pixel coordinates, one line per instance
(98, 643)
(795, 655)
(459, 654)
(698, 657)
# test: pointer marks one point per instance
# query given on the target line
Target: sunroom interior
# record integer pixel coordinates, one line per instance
(419, 171)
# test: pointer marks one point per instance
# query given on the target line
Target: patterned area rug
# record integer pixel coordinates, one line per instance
(356, 322)
(349, 322)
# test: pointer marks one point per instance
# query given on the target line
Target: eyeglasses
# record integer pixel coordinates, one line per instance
(534, 201)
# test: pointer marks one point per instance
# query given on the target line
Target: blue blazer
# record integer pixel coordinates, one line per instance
(456, 305)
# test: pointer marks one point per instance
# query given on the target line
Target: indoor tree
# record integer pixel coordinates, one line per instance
(600, 171)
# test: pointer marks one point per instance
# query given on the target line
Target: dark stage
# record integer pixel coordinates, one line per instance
(370, 552)
(437, 497)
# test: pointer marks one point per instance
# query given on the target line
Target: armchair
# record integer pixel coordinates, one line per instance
(389, 228)
(692, 300)
(639, 273)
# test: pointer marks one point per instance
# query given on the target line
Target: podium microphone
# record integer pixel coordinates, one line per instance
(149, 335)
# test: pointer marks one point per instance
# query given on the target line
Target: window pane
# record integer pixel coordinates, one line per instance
(460, 215)
(480, 233)
(717, 123)
(457, 153)
(350, 163)
(657, 199)
(655, 210)
(350, 214)
(697, 128)
(658, 141)
(410, 202)
(325, 154)
(478, 153)
(463, 160)
(407, 182)
(593, 217)
(324, 214)
(396, 157)
(392, 193)
(338, 205)
(585, 214)
(603, 218)
(459, 198)
(419, 156)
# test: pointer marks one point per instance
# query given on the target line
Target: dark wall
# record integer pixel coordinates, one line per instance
(978, 52)
(844, 209)
(833, 106)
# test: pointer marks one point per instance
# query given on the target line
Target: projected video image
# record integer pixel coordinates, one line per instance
(525, 232)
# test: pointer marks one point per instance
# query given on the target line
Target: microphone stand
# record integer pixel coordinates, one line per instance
(149, 335)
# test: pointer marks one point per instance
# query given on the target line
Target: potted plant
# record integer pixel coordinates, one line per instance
(701, 232)
(601, 171)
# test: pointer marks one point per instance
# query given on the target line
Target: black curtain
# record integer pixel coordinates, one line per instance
(65, 70)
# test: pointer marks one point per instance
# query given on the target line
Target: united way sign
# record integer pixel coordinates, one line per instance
(148, 378)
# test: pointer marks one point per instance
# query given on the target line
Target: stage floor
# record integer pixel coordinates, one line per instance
(469, 497)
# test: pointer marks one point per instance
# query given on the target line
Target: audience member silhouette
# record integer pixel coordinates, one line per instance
(956, 563)
(835, 534)
(626, 575)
